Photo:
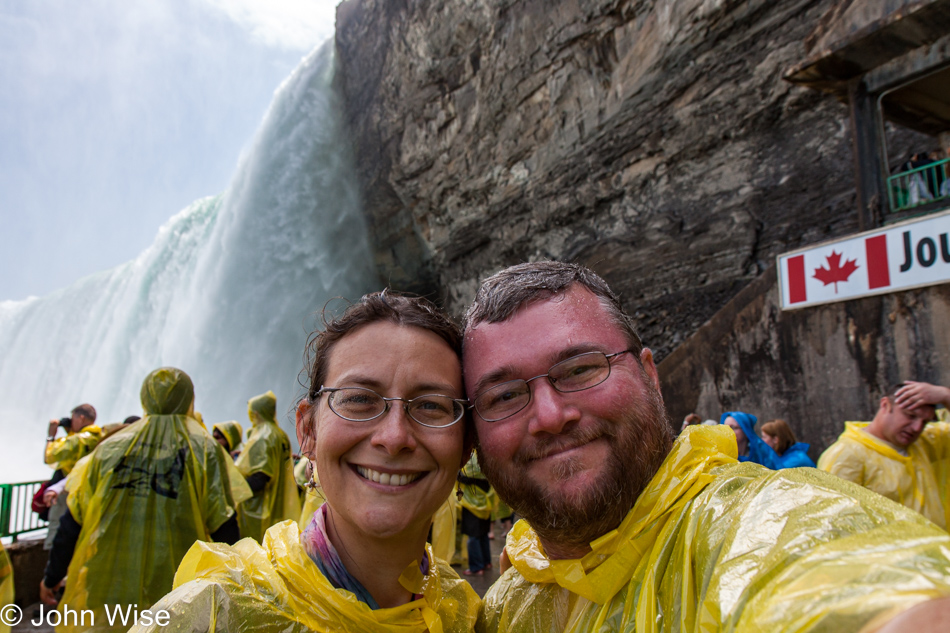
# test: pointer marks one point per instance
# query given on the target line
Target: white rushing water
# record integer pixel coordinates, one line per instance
(228, 291)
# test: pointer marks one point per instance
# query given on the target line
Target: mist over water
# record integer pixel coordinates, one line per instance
(228, 291)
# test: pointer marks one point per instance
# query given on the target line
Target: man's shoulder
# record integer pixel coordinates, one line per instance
(512, 593)
(936, 432)
(264, 432)
(933, 445)
(798, 492)
(843, 444)
(200, 439)
(854, 445)
(269, 439)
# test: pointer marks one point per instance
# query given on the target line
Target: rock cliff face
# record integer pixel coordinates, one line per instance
(654, 141)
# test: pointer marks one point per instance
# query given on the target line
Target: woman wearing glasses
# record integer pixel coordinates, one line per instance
(383, 423)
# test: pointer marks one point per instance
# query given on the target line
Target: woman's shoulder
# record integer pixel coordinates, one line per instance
(795, 456)
(222, 587)
(275, 586)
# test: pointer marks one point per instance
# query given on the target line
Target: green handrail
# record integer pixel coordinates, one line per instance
(918, 186)
(16, 512)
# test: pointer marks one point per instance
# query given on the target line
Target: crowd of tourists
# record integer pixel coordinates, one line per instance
(544, 403)
(903, 453)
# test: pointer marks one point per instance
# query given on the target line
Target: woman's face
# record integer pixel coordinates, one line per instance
(395, 361)
(771, 440)
(733, 424)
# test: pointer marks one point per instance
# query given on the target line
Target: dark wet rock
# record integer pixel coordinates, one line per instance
(654, 141)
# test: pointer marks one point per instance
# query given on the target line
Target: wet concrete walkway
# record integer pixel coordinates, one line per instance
(481, 583)
(26, 624)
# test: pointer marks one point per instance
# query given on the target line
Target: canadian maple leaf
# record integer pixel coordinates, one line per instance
(835, 271)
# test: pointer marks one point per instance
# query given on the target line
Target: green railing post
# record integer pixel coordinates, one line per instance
(16, 512)
(6, 495)
(928, 179)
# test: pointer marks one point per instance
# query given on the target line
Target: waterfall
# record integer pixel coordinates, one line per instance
(228, 290)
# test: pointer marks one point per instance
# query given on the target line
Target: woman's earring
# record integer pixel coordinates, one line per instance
(458, 486)
(313, 485)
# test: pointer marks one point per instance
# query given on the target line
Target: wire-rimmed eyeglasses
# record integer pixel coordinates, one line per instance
(576, 373)
(359, 404)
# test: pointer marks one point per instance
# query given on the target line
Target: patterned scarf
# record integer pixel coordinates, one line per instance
(321, 551)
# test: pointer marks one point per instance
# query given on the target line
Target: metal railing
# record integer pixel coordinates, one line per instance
(16, 512)
(919, 186)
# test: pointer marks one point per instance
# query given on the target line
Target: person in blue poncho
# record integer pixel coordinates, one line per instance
(753, 449)
(791, 453)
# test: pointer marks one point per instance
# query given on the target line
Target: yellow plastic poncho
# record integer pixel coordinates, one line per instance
(312, 500)
(64, 452)
(477, 501)
(714, 545)
(300, 472)
(6, 587)
(143, 498)
(278, 588)
(443, 528)
(232, 432)
(501, 510)
(918, 480)
(267, 451)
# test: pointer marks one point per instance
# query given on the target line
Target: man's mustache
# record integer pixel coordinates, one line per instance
(547, 445)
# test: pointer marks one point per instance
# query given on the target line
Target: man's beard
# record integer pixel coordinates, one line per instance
(639, 440)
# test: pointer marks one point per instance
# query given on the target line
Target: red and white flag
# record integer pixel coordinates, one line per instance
(906, 255)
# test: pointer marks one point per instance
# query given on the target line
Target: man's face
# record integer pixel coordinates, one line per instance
(900, 426)
(78, 422)
(572, 463)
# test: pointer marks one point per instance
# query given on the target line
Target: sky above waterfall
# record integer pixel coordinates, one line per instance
(115, 115)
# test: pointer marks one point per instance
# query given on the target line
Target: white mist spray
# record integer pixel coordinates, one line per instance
(226, 292)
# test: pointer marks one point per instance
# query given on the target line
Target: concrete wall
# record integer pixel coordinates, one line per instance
(28, 559)
(814, 367)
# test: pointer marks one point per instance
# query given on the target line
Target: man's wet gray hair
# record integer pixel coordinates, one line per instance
(502, 294)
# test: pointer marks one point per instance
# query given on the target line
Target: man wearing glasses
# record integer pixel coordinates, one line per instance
(628, 530)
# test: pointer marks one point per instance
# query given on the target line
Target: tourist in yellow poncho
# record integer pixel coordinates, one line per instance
(301, 471)
(228, 434)
(626, 530)
(83, 436)
(266, 465)
(6, 589)
(139, 502)
(362, 563)
(898, 455)
(477, 502)
(63, 454)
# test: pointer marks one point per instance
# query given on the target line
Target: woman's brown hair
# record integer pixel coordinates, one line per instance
(388, 306)
(780, 429)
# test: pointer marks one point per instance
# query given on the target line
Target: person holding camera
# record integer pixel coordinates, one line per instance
(82, 436)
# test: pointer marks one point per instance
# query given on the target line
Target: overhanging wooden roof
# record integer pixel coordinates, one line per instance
(862, 37)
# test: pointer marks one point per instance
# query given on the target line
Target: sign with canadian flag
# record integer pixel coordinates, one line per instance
(902, 256)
